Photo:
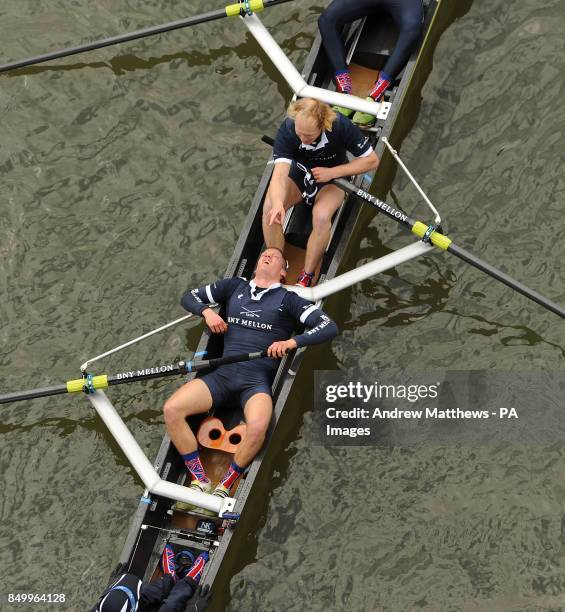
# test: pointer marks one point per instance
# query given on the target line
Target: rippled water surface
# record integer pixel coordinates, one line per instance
(125, 177)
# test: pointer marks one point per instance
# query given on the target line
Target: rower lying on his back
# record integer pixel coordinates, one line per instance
(260, 313)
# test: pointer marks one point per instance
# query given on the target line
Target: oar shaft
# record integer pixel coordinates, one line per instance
(103, 381)
(122, 38)
(443, 242)
(33, 394)
(113, 40)
(504, 278)
(180, 368)
(212, 363)
(147, 374)
(391, 212)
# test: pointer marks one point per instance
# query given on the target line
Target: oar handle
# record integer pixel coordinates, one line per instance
(203, 364)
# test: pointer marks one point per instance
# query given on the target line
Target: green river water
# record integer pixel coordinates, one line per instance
(125, 178)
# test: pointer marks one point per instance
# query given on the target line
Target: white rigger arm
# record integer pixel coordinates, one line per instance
(297, 82)
(145, 470)
(382, 264)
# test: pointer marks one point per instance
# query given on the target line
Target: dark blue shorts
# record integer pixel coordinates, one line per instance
(305, 182)
(231, 383)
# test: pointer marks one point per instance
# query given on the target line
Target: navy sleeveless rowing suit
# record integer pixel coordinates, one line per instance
(256, 318)
(407, 14)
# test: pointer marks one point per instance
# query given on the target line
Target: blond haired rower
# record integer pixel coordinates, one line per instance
(309, 151)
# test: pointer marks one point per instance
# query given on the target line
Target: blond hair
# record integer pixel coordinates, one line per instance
(320, 112)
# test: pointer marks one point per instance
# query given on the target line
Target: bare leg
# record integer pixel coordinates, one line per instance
(258, 411)
(273, 234)
(192, 398)
(328, 201)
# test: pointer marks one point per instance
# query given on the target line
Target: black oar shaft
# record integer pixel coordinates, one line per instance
(180, 369)
(89, 383)
(507, 280)
(122, 38)
(212, 363)
(113, 40)
(33, 394)
(392, 213)
(441, 241)
(147, 374)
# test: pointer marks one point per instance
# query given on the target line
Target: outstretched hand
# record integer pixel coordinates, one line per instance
(214, 322)
(281, 348)
(276, 215)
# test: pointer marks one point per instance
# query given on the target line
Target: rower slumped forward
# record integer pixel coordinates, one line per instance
(408, 16)
(260, 313)
(310, 150)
